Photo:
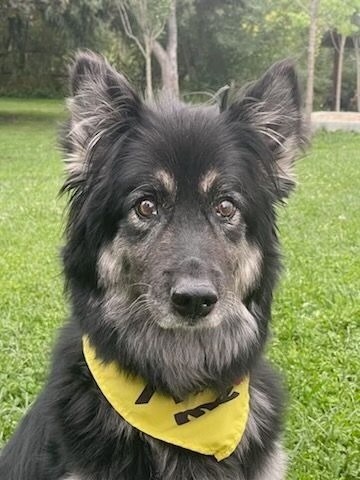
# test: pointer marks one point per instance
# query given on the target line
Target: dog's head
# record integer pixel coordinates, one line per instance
(171, 250)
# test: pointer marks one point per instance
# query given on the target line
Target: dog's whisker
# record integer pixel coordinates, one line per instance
(140, 284)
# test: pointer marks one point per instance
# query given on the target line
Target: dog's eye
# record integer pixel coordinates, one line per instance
(225, 209)
(146, 208)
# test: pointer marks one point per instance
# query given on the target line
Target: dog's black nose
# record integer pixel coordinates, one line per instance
(193, 298)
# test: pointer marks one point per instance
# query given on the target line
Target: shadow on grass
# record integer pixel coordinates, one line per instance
(21, 117)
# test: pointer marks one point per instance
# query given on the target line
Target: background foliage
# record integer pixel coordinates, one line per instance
(220, 41)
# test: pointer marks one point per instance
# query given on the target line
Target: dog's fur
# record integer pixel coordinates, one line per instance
(122, 267)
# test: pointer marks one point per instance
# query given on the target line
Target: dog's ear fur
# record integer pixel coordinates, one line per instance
(102, 104)
(273, 106)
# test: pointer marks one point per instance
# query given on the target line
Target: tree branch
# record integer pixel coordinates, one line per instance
(334, 42)
(172, 29)
(159, 52)
(156, 34)
(127, 27)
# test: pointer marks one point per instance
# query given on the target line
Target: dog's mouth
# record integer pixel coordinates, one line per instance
(174, 321)
(205, 313)
(178, 311)
(204, 316)
(192, 305)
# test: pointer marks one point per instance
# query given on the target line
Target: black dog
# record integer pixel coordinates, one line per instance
(171, 260)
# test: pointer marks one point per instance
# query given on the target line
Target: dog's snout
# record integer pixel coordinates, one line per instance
(193, 297)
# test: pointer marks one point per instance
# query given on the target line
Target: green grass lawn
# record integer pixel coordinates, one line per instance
(316, 314)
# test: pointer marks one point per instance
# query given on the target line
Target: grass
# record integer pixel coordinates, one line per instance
(316, 314)
(19, 109)
(31, 300)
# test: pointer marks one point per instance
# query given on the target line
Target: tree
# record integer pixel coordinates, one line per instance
(338, 18)
(314, 8)
(339, 41)
(149, 19)
(77, 20)
(167, 57)
(356, 40)
(19, 16)
(232, 41)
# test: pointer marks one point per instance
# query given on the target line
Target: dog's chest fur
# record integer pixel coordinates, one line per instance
(168, 467)
(137, 456)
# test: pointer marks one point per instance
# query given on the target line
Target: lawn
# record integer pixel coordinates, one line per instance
(316, 314)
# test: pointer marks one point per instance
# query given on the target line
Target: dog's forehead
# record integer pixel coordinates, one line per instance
(187, 146)
(203, 184)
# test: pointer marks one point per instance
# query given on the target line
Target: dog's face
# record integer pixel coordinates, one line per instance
(172, 226)
(183, 251)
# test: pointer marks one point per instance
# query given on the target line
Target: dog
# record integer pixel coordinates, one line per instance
(171, 259)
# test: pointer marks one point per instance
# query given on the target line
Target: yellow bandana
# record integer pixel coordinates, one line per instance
(203, 423)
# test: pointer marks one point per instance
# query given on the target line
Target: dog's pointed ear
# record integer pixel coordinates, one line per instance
(273, 106)
(102, 104)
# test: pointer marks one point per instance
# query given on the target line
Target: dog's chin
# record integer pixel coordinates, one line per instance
(177, 355)
(170, 320)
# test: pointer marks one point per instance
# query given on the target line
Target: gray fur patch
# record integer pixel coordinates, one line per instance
(261, 408)
(275, 466)
(248, 268)
(110, 265)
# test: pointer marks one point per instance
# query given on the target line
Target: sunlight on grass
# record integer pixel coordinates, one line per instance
(316, 313)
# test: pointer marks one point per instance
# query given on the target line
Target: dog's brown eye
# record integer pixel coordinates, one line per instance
(146, 208)
(225, 209)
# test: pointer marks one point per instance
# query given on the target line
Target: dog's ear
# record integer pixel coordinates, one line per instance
(102, 104)
(273, 106)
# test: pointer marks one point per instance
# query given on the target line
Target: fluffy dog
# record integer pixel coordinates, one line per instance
(171, 259)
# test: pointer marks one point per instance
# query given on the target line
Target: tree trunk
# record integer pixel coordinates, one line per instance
(311, 60)
(149, 94)
(172, 81)
(167, 58)
(339, 72)
(334, 74)
(357, 56)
